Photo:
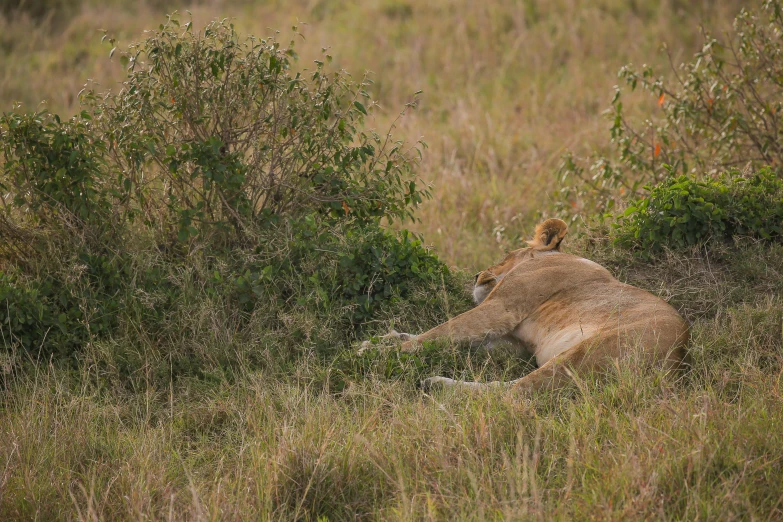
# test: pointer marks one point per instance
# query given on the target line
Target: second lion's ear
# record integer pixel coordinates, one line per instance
(549, 235)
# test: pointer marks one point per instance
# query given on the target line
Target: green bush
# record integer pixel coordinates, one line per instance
(55, 170)
(682, 211)
(364, 268)
(309, 286)
(217, 130)
(56, 316)
(221, 161)
(350, 273)
(307, 289)
(209, 133)
(719, 111)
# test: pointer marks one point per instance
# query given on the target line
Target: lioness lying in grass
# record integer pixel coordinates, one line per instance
(569, 312)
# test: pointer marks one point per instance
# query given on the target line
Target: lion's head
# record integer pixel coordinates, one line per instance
(546, 239)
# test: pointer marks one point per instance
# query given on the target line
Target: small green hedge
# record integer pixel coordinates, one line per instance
(682, 211)
(340, 277)
(363, 268)
(56, 315)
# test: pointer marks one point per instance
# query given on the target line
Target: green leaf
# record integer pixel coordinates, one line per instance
(360, 107)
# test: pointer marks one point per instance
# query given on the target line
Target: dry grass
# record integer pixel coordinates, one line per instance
(630, 445)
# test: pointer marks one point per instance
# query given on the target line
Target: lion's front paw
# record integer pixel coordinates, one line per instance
(386, 340)
(366, 345)
(390, 338)
(402, 336)
(432, 384)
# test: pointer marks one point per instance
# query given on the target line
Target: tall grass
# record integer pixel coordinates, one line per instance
(282, 441)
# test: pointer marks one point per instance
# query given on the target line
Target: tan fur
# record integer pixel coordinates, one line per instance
(568, 311)
(548, 235)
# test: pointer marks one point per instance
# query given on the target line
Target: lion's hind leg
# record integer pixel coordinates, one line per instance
(552, 375)
(432, 383)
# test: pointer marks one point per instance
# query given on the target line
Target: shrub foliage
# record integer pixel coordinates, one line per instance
(682, 211)
(217, 152)
(718, 112)
(219, 130)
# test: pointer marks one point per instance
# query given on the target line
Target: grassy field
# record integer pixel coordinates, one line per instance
(308, 440)
(508, 87)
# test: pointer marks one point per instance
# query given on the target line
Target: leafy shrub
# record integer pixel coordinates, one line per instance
(60, 225)
(214, 144)
(51, 315)
(351, 273)
(55, 171)
(291, 296)
(682, 211)
(223, 131)
(28, 315)
(717, 112)
(312, 285)
(210, 132)
(364, 268)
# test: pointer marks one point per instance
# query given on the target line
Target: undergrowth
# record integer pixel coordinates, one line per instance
(219, 172)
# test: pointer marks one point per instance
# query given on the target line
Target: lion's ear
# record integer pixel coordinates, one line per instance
(549, 235)
(485, 277)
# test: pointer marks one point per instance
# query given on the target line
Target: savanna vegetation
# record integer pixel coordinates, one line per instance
(205, 216)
